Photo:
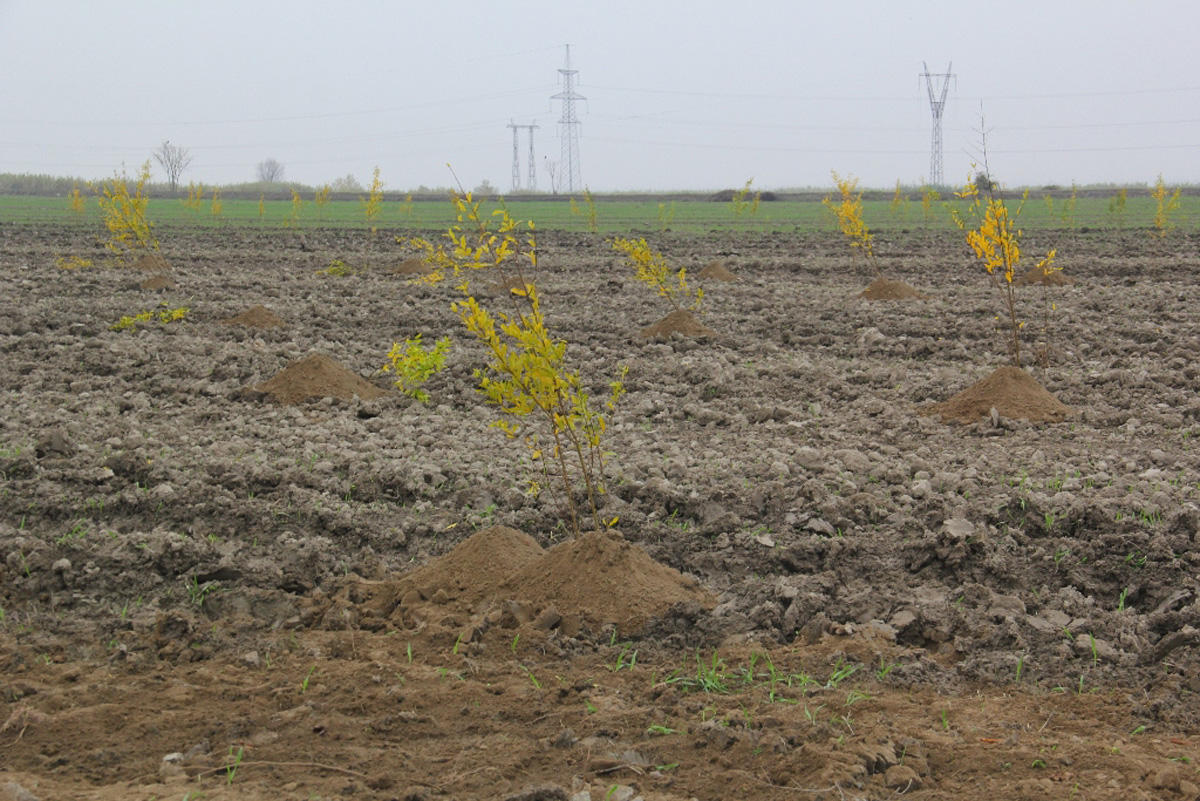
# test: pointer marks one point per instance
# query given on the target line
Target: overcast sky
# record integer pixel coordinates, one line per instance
(699, 94)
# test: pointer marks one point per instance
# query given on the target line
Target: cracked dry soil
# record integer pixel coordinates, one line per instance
(815, 588)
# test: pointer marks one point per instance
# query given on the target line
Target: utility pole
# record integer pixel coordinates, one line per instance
(568, 125)
(516, 165)
(936, 105)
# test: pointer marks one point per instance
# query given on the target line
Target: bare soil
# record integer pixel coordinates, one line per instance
(812, 589)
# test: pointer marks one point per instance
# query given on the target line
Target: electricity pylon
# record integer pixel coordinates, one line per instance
(516, 165)
(516, 158)
(568, 125)
(936, 105)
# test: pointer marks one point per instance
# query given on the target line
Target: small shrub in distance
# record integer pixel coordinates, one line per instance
(414, 364)
(164, 316)
(590, 202)
(1166, 205)
(78, 204)
(740, 205)
(651, 269)
(929, 196)
(124, 213)
(1116, 206)
(993, 236)
(849, 214)
(900, 202)
(373, 202)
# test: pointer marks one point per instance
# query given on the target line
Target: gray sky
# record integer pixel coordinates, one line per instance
(698, 94)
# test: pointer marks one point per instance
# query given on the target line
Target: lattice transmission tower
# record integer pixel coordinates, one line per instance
(532, 182)
(568, 126)
(516, 166)
(937, 103)
(516, 158)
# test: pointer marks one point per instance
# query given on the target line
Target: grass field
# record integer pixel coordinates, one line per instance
(612, 214)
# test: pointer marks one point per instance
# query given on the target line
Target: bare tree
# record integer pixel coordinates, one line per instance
(174, 160)
(270, 171)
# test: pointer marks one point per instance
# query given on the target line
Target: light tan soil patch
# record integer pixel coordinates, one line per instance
(890, 289)
(413, 266)
(383, 716)
(717, 272)
(256, 317)
(680, 321)
(1011, 391)
(317, 376)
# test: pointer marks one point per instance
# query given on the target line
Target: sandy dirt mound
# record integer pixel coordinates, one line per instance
(476, 568)
(413, 266)
(1011, 391)
(317, 376)
(717, 272)
(152, 262)
(1036, 276)
(157, 283)
(503, 576)
(256, 317)
(604, 579)
(889, 289)
(680, 321)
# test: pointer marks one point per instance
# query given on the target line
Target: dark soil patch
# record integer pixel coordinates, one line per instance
(317, 376)
(1011, 391)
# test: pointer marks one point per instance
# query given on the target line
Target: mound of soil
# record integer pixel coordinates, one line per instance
(890, 289)
(1037, 275)
(256, 317)
(718, 272)
(601, 578)
(1011, 391)
(413, 266)
(680, 321)
(597, 580)
(476, 568)
(317, 376)
(151, 262)
(157, 283)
